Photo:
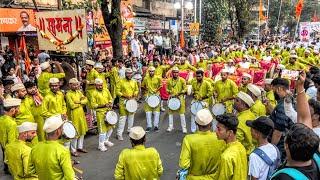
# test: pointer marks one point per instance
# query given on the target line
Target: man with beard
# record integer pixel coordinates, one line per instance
(34, 100)
(17, 153)
(258, 108)
(177, 88)
(24, 115)
(8, 125)
(102, 103)
(49, 159)
(53, 102)
(126, 89)
(269, 98)
(46, 74)
(152, 84)
(246, 79)
(75, 101)
(202, 92)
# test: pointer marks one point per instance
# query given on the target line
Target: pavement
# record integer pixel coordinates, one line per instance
(98, 165)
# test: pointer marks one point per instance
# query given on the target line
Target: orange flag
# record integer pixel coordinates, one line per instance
(23, 47)
(261, 15)
(299, 8)
(182, 43)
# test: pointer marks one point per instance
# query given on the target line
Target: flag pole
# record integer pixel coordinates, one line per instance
(296, 30)
(279, 17)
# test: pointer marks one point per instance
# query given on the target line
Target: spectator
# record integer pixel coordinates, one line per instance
(167, 45)
(135, 47)
(43, 56)
(315, 115)
(145, 42)
(158, 42)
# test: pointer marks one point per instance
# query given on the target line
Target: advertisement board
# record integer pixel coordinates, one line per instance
(17, 20)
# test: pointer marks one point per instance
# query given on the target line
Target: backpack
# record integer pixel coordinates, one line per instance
(296, 174)
(273, 165)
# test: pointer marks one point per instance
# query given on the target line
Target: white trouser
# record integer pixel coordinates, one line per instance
(130, 122)
(77, 144)
(183, 121)
(156, 119)
(193, 123)
(102, 138)
(109, 133)
(170, 120)
(122, 123)
(149, 119)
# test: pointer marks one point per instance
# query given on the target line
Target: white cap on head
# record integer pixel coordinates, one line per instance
(204, 117)
(52, 123)
(247, 75)
(11, 102)
(307, 51)
(293, 56)
(175, 68)
(151, 68)
(53, 80)
(137, 133)
(17, 87)
(73, 81)
(98, 81)
(27, 126)
(90, 62)
(245, 98)
(44, 65)
(224, 71)
(98, 65)
(128, 70)
(268, 81)
(254, 89)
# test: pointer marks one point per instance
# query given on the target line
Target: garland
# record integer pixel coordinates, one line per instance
(60, 43)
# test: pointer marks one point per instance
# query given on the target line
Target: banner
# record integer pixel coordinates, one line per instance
(62, 30)
(194, 29)
(307, 29)
(16, 20)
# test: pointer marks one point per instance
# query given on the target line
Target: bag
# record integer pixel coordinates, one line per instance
(273, 165)
(296, 174)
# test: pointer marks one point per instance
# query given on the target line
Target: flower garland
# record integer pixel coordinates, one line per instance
(59, 43)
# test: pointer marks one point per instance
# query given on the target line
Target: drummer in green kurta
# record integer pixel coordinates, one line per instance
(258, 108)
(151, 85)
(35, 100)
(177, 88)
(92, 74)
(102, 103)
(101, 74)
(76, 101)
(46, 74)
(185, 66)
(294, 65)
(114, 78)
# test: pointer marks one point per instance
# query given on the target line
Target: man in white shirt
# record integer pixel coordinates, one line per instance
(158, 42)
(135, 47)
(265, 152)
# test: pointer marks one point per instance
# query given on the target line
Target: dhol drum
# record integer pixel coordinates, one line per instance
(197, 106)
(69, 131)
(131, 105)
(174, 104)
(111, 118)
(153, 100)
(218, 109)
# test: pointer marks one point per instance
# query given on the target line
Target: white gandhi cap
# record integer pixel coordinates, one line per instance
(17, 86)
(136, 133)
(245, 98)
(27, 126)
(204, 117)
(254, 89)
(52, 123)
(11, 102)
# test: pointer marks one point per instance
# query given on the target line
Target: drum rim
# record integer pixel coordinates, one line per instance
(116, 117)
(215, 106)
(70, 125)
(154, 95)
(131, 100)
(177, 100)
(200, 102)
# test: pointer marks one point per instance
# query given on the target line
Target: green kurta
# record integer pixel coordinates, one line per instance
(258, 108)
(200, 154)
(8, 130)
(43, 81)
(271, 98)
(126, 87)
(244, 132)
(17, 156)
(225, 90)
(234, 163)
(24, 114)
(51, 161)
(202, 91)
(152, 86)
(114, 79)
(100, 98)
(37, 112)
(75, 101)
(177, 87)
(90, 87)
(54, 104)
(139, 163)
(186, 67)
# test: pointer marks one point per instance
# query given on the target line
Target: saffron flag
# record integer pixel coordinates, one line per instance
(23, 48)
(261, 15)
(299, 8)
(182, 43)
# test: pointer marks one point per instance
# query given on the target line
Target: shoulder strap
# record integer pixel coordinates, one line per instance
(263, 156)
(316, 158)
(293, 173)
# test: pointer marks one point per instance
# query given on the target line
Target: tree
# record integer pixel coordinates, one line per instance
(113, 23)
(242, 12)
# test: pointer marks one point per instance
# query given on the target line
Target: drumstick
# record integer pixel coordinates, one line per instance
(78, 170)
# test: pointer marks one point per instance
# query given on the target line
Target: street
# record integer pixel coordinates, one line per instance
(100, 165)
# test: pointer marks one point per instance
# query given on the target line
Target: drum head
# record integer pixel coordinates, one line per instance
(131, 105)
(111, 117)
(174, 104)
(196, 106)
(218, 109)
(153, 101)
(69, 130)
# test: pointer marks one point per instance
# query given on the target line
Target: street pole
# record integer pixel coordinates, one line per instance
(195, 18)
(267, 14)
(200, 21)
(279, 17)
(295, 32)
(182, 17)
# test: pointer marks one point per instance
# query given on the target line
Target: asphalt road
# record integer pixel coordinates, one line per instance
(100, 165)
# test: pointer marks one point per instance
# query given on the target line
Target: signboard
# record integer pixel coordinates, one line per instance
(194, 29)
(40, 3)
(308, 29)
(62, 30)
(16, 20)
